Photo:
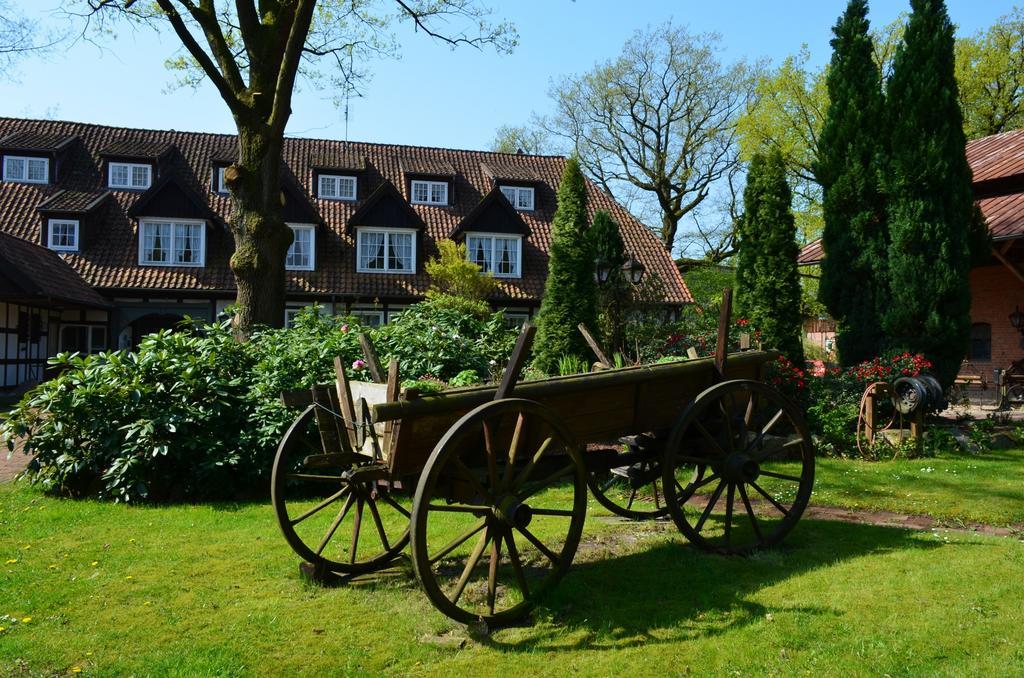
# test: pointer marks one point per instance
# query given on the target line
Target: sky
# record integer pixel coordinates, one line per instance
(432, 96)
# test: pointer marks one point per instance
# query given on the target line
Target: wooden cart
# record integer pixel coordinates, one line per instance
(498, 476)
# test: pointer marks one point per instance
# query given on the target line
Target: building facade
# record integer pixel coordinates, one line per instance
(138, 218)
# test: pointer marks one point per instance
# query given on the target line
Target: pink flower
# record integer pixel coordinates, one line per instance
(344, 328)
(358, 365)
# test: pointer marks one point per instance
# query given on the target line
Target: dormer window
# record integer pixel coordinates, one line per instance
(521, 197)
(62, 235)
(429, 192)
(26, 169)
(336, 187)
(302, 252)
(386, 250)
(130, 175)
(172, 242)
(218, 181)
(499, 255)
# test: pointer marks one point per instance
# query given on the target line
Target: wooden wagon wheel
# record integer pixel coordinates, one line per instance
(1015, 395)
(631, 491)
(491, 533)
(331, 507)
(741, 452)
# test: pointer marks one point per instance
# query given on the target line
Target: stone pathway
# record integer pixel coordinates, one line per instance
(13, 466)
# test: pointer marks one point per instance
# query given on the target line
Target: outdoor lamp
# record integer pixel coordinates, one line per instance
(633, 269)
(1017, 320)
(602, 270)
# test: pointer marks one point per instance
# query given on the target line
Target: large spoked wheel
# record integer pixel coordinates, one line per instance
(631, 491)
(331, 507)
(498, 512)
(739, 468)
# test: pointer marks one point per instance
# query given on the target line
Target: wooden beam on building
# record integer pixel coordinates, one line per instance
(1008, 264)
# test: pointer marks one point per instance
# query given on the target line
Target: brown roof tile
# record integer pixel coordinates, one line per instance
(33, 140)
(73, 201)
(41, 275)
(509, 171)
(997, 156)
(111, 262)
(135, 147)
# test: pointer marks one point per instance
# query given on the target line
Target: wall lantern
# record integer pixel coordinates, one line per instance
(1017, 320)
(602, 271)
(634, 270)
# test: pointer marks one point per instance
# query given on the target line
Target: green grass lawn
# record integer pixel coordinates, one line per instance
(214, 590)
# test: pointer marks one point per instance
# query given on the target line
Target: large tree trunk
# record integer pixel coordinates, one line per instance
(669, 228)
(261, 236)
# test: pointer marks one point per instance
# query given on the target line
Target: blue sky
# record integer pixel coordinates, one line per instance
(433, 95)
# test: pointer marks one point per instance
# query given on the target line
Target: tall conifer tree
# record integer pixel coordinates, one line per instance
(613, 295)
(570, 295)
(850, 148)
(768, 285)
(930, 205)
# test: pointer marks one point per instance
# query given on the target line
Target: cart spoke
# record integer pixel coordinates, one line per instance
(728, 513)
(566, 513)
(468, 475)
(686, 494)
(548, 553)
(513, 450)
(377, 521)
(398, 507)
(315, 477)
(750, 512)
(525, 473)
(538, 485)
(492, 460)
(517, 565)
(356, 525)
(764, 431)
(334, 526)
(492, 573)
(780, 476)
(460, 508)
(632, 496)
(657, 502)
(474, 558)
(708, 437)
(458, 541)
(769, 451)
(782, 509)
(727, 418)
(325, 503)
(710, 505)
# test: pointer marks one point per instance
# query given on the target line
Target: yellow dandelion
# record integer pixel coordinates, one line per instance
(76, 669)
(131, 541)
(25, 620)
(12, 561)
(129, 578)
(53, 567)
(89, 653)
(95, 563)
(27, 547)
(148, 603)
(2, 629)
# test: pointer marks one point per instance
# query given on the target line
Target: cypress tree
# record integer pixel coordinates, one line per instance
(614, 293)
(930, 205)
(768, 285)
(854, 273)
(570, 295)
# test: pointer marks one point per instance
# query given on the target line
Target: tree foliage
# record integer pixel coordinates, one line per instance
(253, 53)
(613, 295)
(570, 297)
(768, 286)
(850, 148)
(529, 139)
(990, 74)
(930, 204)
(19, 37)
(656, 126)
(452, 273)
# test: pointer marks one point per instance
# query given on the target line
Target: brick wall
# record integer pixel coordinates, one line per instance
(995, 292)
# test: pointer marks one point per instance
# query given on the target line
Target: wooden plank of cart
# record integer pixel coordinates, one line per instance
(489, 484)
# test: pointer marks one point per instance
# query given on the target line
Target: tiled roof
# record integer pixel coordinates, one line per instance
(33, 140)
(810, 254)
(509, 171)
(39, 274)
(110, 260)
(338, 159)
(73, 201)
(997, 157)
(135, 147)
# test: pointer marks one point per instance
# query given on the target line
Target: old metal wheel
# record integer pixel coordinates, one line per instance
(631, 491)
(498, 512)
(331, 507)
(1015, 395)
(739, 468)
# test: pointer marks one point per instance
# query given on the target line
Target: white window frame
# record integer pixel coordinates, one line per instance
(291, 310)
(312, 247)
(517, 193)
(430, 186)
(218, 181)
(393, 312)
(341, 179)
(144, 221)
(88, 335)
(516, 319)
(360, 312)
(362, 231)
(50, 223)
(494, 238)
(24, 179)
(130, 186)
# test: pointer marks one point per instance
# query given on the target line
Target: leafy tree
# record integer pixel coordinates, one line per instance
(19, 37)
(614, 294)
(570, 296)
(526, 138)
(252, 52)
(990, 73)
(930, 204)
(656, 125)
(451, 272)
(768, 286)
(850, 147)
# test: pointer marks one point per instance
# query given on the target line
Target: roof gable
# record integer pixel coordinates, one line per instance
(493, 214)
(385, 207)
(41, 275)
(169, 197)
